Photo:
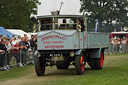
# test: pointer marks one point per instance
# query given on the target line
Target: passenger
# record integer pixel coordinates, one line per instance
(63, 26)
(81, 27)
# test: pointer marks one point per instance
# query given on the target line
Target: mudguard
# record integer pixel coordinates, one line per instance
(78, 52)
(35, 54)
(95, 53)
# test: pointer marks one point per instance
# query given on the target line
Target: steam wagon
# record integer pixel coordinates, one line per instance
(61, 42)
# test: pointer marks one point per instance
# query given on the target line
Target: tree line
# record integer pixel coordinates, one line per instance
(110, 13)
(17, 14)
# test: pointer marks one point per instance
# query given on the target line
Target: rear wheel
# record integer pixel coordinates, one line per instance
(99, 61)
(40, 65)
(80, 64)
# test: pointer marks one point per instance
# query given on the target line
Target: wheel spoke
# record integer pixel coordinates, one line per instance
(79, 64)
(81, 60)
(82, 67)
(82, 63)
(101, 59)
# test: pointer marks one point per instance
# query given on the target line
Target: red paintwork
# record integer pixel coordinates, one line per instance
(113, 34)
(54, 46)
(101, 59)
(53, 37)
(82, 65)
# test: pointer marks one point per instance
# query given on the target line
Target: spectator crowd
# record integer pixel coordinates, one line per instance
(20, 48)
(118, 45)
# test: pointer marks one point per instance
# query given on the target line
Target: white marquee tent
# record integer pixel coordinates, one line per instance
(19, 32)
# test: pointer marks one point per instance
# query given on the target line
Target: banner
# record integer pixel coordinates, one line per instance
(96, 26)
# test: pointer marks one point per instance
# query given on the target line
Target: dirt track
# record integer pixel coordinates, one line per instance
(53, 73)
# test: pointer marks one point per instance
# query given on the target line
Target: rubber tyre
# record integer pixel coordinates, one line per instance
(40, 65)
(99, 61)
(80, 64)
(64, 65)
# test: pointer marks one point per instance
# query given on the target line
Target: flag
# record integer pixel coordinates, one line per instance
(121, 29)
(96, 26)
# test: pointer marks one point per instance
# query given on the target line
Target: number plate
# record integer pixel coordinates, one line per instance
(56, 55)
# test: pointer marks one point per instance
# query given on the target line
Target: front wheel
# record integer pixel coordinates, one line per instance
(40, 65)
(80, 64)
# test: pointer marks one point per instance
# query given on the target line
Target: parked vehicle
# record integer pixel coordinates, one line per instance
(63, 46)
(119, 35)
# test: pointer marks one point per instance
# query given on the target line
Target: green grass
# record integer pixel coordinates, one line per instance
(15, 73)
(115, 72)
(108, 76)
(117, 54)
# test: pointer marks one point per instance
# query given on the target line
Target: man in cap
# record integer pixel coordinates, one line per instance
(81, 27)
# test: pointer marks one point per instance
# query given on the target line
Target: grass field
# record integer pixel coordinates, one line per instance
(115, 72)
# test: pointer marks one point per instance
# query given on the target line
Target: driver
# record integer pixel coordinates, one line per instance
(81, 27)
(64, 24)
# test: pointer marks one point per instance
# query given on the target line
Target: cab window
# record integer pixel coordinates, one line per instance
(65, 23)
(46, 24)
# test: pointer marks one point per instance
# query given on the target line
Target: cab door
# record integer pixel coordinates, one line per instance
(81, 39)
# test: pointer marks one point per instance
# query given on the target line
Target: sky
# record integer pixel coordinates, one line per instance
(69, 7)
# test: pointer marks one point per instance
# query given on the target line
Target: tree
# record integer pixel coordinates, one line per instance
(106, 11)
(16, 14)
(33, 22)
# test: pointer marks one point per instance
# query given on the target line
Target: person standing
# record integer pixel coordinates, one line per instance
(25, 36)
(32, 48)
(1, 36)
(16, 54)
(29, 51)
(8, 54)
(2, 52)
(19, 38)
(23, 51)
(14, 41)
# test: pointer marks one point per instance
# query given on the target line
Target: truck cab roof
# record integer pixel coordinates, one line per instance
(60, 16)
(60, 22)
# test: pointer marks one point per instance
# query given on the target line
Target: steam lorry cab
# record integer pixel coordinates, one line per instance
(61, 42)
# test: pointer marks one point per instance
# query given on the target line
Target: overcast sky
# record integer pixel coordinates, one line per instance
(69, 7)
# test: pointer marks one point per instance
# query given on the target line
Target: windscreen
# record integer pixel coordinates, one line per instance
(57, 23)
(65, 23)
